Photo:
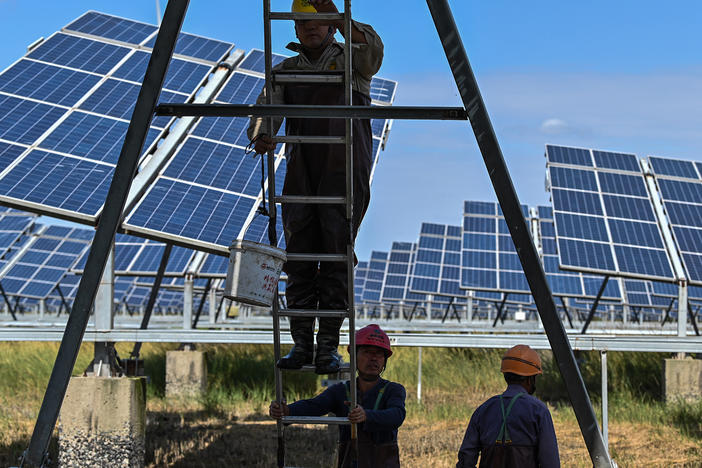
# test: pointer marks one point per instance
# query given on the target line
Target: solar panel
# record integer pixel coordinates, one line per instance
(604, 218)
(438, 262)
(562, 282)
(199, 47)
(44, 261)
(489, 261)
(79, 53)
(396, 282)
(680, 187)
(255, 61)
(359, 281)
(374, 277)
(112, 27)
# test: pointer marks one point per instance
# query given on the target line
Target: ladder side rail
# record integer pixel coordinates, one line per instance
(272, 235)
(528, 255)
(348, 85)
(106, 230)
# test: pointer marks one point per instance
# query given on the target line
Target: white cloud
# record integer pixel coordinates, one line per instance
(554, 127)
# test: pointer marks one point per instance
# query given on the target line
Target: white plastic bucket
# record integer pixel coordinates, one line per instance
(253, 273)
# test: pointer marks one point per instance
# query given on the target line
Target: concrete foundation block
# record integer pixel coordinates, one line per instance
(186, 374)
(103, 422)
(682, 379)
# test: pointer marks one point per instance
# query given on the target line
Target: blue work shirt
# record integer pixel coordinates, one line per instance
(380, 425)
(529, 424)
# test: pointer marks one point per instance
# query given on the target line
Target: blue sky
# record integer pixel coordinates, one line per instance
(623, 76)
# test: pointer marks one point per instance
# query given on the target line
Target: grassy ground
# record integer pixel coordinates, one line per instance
(228, 426)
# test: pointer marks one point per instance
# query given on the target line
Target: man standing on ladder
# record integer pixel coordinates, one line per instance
(514, 429)
(381, 411)
(319, 170)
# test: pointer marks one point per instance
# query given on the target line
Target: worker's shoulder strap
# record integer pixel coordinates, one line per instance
(503, 435)
(377, 400)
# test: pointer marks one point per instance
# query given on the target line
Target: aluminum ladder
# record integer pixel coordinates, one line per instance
(344, 79)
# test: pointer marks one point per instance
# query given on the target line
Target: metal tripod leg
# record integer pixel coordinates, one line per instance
(106, 229)
(528, 255)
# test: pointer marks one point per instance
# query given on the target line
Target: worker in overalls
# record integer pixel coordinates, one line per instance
(320, 170)
(514, 429)
(380, 413)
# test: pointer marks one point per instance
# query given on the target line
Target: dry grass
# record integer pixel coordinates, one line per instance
(229, 428)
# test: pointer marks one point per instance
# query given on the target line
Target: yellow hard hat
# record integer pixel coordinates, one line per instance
(302, 6)
(521, 360)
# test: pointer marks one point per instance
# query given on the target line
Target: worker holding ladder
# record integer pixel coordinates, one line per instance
(318, 169)
(380, 414)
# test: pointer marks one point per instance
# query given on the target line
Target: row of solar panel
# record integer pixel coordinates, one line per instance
(64, 111)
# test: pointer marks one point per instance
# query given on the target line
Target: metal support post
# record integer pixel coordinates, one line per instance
(202, 302)
(499, 310)
(10, 309)
(594, 305)
(104, 318)
(153, 295)
(567, 314)
(188, 302)
(469, 308)
(106, 229)
(419, 374)
(682, 308)
(212, 301)
(605, 416)
(42, 308)
(519, 230)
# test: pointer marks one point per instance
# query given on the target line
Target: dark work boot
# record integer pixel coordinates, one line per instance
(302, 331)
(328, 360)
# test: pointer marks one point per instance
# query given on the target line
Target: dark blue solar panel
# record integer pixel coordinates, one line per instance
(643, 261)
(585, 255)
(361, 271)
(111, 27)
(219, 166)
(680, 191)
(565, 155)
(9, 153)
(578, 202)
(45, 82)
(581, 227)
(77, 52)
(92, 137)
(377, 127)
(24, 121)
(621, 161)
(182, 76)
(622, 184)
(674, 167)
(478, 207)
(628, 208)
(58, 181)
(634, 233)
(256, 61)
(195, 212)
(198, 47)
(375, 277)
(578, 179)
(214, 265)
(117, 99)
(382, 90)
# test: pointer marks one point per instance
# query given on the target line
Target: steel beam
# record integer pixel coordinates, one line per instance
(107, 227)
(315, 112)
(593, 309)
(519, 230)
(7, 302)
(153, 295)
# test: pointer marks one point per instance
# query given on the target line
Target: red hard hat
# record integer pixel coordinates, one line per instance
(373, 335)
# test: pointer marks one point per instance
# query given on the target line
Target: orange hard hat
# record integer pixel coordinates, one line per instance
(521, 360)
(373, 335)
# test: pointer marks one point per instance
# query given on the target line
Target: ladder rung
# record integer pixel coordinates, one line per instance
(300, 199)
(312, 313)
(284, 15)
(308, 257)
(322, 140)
(307, 78)
(345, 367)
(315, 420)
